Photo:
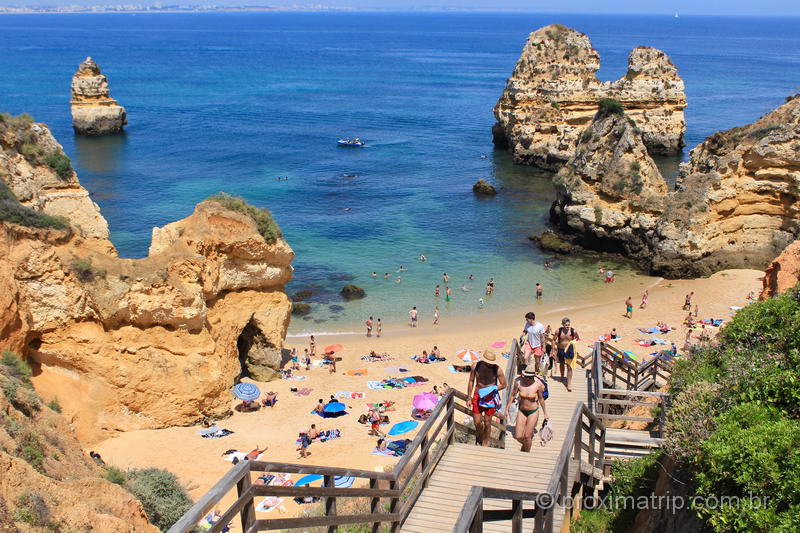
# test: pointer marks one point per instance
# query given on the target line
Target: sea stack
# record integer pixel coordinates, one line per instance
(553, 95)
(94, 112)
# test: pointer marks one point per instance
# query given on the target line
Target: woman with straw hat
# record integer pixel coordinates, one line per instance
(486, 380)
(529, 388)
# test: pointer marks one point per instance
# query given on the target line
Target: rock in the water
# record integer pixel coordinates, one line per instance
(737, 204)
(551, 241)
(484, 188)
(94, 112)
(300, 308)
(156, 341)
(553, 94)
(353, 292)
(783, 273)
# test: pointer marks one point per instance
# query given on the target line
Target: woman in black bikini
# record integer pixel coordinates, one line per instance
(529, 388)
(566, 351)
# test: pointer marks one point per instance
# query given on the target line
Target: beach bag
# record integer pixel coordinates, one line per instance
(546, 433)
(546, 391)
(490, 401)
(544, 362)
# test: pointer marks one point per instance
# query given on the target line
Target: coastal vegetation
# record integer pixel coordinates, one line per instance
(86, 272)
(267, 227)
(735, 421)
(26, 142)
(163, 497)
(16, 213)
(609, 106)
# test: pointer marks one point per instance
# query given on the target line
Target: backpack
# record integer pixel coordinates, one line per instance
(546, 391)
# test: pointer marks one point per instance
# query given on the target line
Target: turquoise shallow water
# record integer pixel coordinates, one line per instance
(229, 101)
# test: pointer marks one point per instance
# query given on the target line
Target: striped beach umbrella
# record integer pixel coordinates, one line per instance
(246, 391)
(470, 356)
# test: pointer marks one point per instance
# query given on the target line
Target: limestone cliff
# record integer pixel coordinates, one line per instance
(610, 192)
(783, 273)
(553, 94)
(738, 198)
(737, 203)
(152, 342)
(94, 112)
(48, 482)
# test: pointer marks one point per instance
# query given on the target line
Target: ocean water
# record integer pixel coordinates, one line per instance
(224, 101)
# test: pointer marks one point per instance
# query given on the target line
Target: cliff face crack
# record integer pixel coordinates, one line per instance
(257, 355)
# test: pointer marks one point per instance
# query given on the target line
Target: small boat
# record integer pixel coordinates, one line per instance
(356, 142)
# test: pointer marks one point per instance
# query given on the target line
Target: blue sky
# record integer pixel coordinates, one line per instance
(686, 7)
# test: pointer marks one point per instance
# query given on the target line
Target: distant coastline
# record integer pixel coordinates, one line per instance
(127, 8)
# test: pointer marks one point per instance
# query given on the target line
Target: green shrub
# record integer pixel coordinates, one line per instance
(163, 497)
(54, 405)
(32, 509)
(608, 107)
(12, 211)
(755, 451)
(85, 271)
(115, 475)
(598, 215)
(267, 226)
(10, 391)
(16, 367)
(58, 161)
(30, 449)
(691, 419)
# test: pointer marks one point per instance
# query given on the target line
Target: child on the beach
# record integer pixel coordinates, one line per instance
(481, 303)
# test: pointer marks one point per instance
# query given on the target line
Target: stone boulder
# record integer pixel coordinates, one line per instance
(783, 273)
(94, 112)
(553, 94)
(353, 292)
(483, 188)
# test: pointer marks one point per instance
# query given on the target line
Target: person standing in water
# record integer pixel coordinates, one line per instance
(436, 316)
(565, 353)
(436, 292)
(448, 293)
(379, 327)
(413, 315)
(485, 374)
(529, 387)
(445, 277)
(481, 303)
(368, 323)
(539, 291)
(628, 308)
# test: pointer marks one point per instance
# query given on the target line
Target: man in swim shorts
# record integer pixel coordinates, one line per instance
(485, 373)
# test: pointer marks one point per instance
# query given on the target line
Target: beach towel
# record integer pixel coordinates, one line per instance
(351, 395)
(506, 355)
(385, 406)
(395, 369)
(324, 436)
(240, 455)
(217, 434)
(656, 340)
(375, 385)
(381, 357)
(357, 372)
(630, 355)
(268, 504)
(303, 392)
(387, 453)
(295, 378)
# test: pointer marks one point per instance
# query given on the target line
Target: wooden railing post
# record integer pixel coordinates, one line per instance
(516, 516)
(576, 446)
(374, 506)
(451, 419)
(248, 514)
(393, 506)
(330, 502)
(424, 447)
(592, 439)
(477, 520)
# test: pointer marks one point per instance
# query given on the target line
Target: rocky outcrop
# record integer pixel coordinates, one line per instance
(152, 342)
(737, 203)
(738, 198)
(48, 481)
(783, 273)
(483, 188)
(94, 112)
(611, 192)
(553, 94)
(33, 165)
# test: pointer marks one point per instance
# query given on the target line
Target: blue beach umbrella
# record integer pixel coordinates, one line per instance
(307, 480)
(246, 391)
(335, 407)
(403, 427)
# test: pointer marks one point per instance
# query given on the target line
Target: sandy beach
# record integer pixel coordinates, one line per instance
(198, 462)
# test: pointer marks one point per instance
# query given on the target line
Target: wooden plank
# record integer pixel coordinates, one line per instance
(313, 521)
(192, 517)
(322, 492)
(263, 466)
(469, 511)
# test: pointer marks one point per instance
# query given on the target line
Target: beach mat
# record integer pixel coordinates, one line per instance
(357, 372)
(351, 395)
(395, 369)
